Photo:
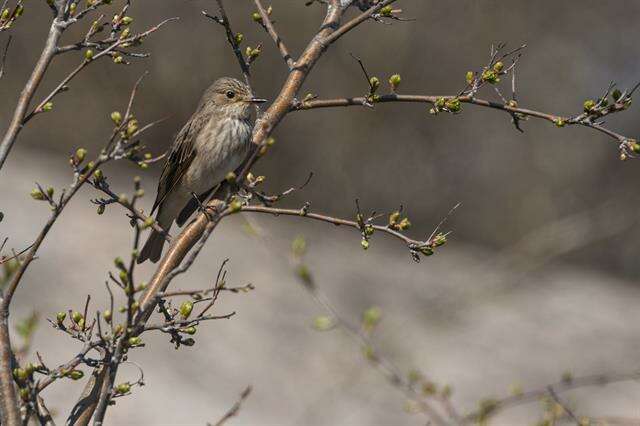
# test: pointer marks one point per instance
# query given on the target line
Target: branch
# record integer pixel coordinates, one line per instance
(235, 409)
(271, 30)
(429, 99)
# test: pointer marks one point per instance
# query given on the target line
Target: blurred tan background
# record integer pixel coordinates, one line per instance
(541, 273)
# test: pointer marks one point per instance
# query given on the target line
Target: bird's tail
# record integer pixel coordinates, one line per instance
(152, 249)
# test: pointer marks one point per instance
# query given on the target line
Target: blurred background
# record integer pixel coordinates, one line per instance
(541, 273)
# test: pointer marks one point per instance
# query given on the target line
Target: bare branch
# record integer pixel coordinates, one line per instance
(271, 30)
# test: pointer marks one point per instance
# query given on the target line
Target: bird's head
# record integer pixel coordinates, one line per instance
(231, 96)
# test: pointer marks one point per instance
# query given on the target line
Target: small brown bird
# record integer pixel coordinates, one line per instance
(214, 142)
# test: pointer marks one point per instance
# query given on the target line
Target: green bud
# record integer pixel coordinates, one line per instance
(588, 105)
(134, 341)
(404, 224)
(19, 11)
(490, 76)
(374, 82)
(185, 308)
(453, 105)
(235, 205)
(255, 16)
(116, 117)
(101, 209)
(117, 59)
(123, 199)
(559, 122)
(76, 316)
(107, 315)
(395, 81)
(72, 7)
(498, 66)
(123, 388)
(270, 141)
(47, 106)
(75, 374)
(125, 33)
(439, 240)
(119, 263)
(190, 330)
(127, 20)
(81, 153)
(98, 175)
(364, 243)
(5, 14)
(148, 222)
(24, 394)
(239, 37)
(30, 368)
(124, 277)
(50, 192)
(60, 317)
(36, 194)
(230, 177)
(88, 54)
(469, 77)
(322, 323)
(371, 316)
(368, 230)
(440, 102)
(394, 217)
(386, 11)
(616, 95)
(132, 127)
(426, 250)
(20, 374)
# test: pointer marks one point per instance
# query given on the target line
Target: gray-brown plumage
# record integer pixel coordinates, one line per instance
(214, 142)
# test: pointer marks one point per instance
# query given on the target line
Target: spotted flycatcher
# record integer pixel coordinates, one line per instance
(214, 142)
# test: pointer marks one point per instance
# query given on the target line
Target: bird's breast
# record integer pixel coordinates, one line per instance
(220, 147)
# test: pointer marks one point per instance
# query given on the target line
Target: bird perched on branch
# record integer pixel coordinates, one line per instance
(214, 142)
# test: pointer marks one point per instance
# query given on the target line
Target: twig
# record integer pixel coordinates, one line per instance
(235, 409)
(271, 30)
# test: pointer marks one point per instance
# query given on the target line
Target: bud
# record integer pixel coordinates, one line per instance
(76, 316)
(80, 155)
(107, 315)
(98, 175)
(50, 192)
(125, 33)
(47, 106)
(235, 205)
(374, 82)
(116, 117)
(426, 250)
(132, 127)
(127, 20)
(239, 37)
(588, 105)
(255, 16)
(490, 76)
(439, 240)
(616, 95)
(498, 66)
(469, 77)
(190, 330)
(5, 14)
(395, 81)
(559, 122)
(101, 209)
(75, 374)
(230, 177)
(148, 222)
(393, 218)
(270, 141)
(134, 341)
(122, 199)
(60, 317)
(36, 194)
(371, 316)
(185, 308)
(123, 388)
(118, 59)
(404, 224)
(322, 323)
(19, 10)
(386, 11)
(453, 105)
(88, 54)
(20, 374)
(364, 243)
(119, 263)
(30, 368)
(24, 394)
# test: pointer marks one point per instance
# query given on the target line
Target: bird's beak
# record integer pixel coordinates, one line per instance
(257, 100)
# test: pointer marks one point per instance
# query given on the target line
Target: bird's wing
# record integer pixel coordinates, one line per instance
(180, 158)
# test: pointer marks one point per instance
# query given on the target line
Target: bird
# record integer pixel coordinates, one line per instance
(213, 142)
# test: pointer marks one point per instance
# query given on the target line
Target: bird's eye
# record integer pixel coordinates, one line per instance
(230, 94)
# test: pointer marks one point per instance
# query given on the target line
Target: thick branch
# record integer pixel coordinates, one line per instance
(49, 51)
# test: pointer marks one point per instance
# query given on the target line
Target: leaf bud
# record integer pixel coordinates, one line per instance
(185, 308)
(395, 81)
